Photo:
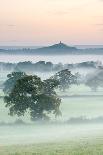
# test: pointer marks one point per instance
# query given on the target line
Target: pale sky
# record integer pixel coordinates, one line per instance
(43, 22)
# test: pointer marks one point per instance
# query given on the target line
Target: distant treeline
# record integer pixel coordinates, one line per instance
(43, 66)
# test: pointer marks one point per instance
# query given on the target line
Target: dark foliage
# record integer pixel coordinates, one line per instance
(39, 97)
(65, 78)
(11, 81)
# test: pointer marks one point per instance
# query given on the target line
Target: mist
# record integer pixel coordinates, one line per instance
(55, 59)
(82, 118)
(81, 107)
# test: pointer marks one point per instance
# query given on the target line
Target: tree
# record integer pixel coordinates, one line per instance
(24, 66)
(30, 93)
(50, 85)
(65, 78)
(78, 78)
(12, 78)
(95, 80)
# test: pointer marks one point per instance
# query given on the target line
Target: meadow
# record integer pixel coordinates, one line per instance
(58, 137)
(76, 102)
(82, 147)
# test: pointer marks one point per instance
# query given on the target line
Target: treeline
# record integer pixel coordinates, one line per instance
(43, 66)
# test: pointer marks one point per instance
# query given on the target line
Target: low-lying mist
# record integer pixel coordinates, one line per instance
(47, 133)
(82, 115)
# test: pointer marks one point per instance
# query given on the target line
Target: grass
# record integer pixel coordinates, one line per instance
(83, 147)
(70, 107)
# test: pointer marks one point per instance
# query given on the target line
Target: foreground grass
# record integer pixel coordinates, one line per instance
(82, 147)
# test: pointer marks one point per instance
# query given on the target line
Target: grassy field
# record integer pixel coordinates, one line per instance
(82, 147)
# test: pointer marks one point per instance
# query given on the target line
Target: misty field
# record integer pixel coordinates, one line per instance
(76, 102)
(82, 147)
(51, 77)
(61, 138)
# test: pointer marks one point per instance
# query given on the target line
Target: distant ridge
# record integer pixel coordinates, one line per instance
(59, 46)
(56, 49)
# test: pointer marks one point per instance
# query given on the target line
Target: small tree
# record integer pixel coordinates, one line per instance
(30, 93)
(78, 78)
(95, 80)
(12, 78)
(65, 78)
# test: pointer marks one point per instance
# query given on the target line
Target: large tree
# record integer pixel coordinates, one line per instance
(65, 78)
(39, 97)
(11, 80)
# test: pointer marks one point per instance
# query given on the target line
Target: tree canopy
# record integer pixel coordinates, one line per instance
(12, 78)
(39, 97)
(65, 78)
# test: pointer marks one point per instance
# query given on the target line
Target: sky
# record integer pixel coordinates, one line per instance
(44, 22)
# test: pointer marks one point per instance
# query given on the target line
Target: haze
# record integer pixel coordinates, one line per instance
(42, 22)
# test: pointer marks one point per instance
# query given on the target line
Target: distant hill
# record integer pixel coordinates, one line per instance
(59, 48)
(56, 49)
